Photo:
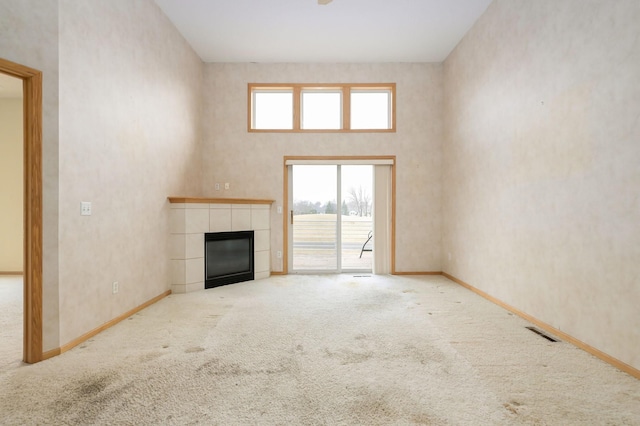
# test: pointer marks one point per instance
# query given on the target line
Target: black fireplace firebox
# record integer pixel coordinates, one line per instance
(228, 258)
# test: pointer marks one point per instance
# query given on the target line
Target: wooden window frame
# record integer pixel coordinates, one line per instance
(297, 89)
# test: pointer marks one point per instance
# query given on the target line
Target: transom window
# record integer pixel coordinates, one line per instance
(321, 107)
(273, 109)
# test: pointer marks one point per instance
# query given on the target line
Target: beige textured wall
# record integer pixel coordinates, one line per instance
(129, 137)
(29, 36)
(541, 165)
(11, 184)
(252, 162)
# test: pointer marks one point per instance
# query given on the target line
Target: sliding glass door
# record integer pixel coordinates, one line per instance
(313, 219)
(330, 218)
(356, 218)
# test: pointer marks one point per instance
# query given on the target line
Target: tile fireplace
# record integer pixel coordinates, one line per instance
(192, 218)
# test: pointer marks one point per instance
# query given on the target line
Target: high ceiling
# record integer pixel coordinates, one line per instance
(341, 31)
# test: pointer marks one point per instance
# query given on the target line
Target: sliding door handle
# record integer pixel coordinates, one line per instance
(292, 217)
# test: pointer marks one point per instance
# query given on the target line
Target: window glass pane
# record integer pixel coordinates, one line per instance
(273, 110)
(321, 110)
(370, 109)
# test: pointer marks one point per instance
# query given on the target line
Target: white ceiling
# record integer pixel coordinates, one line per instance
(342, 31)
(10, 87)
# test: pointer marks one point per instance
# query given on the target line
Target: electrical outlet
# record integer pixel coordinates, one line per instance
(279, 254)
(226, 185)
(85, 208)
(217, 187)
(115, 287)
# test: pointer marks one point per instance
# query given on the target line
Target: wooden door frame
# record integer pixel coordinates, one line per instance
(32, 121)
(329, 159)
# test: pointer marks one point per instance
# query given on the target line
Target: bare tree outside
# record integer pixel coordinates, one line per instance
(359, 201)
(311, 207)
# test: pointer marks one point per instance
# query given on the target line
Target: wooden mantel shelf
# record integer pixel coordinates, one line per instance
(204, 200)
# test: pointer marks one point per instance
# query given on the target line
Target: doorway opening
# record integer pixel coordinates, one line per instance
(12, 218)
(339, 215)
(32, 205)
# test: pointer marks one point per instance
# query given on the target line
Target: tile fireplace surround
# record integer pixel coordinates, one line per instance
(191, 218)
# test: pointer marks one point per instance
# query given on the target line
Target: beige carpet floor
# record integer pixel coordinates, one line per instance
(322, 350)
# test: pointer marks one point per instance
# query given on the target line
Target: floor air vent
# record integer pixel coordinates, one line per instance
(542, 334)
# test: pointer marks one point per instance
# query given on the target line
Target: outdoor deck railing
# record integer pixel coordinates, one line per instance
(314, 242)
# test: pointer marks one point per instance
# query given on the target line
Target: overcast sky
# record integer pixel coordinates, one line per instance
(318, 183)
